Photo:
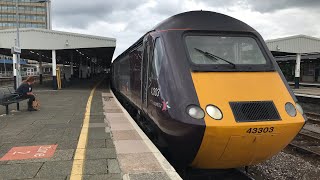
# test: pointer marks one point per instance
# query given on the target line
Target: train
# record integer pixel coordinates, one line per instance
(207, 91)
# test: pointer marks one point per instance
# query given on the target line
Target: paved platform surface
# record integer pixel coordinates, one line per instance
(309, 91)
(59, 122)
(313, 84)
(138, 157)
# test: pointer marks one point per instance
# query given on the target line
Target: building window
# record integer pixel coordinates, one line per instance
(4, 16)
(21, 8)
(40, 18)
(8, 8)
(11, 16)
(41, 9)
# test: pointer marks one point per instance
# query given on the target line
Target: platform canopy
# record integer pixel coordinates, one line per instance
(294, 50)
(295, 44)
(40, 42)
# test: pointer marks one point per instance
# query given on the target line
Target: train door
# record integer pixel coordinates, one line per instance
(144, 74)
(154, 98)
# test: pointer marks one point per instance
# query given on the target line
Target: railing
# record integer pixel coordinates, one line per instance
(9, 74)
(6, 74)
(7, 81)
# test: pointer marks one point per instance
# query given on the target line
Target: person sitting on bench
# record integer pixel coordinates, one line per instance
(25, 92)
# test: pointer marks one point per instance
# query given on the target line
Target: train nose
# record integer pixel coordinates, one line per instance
(248, 149)
(237, 146)
(254, 125)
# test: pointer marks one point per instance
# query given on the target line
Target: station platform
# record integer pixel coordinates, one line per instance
(306, 84)
(80, 132)
(309, 92)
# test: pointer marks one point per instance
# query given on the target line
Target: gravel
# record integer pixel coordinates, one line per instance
(286, 166)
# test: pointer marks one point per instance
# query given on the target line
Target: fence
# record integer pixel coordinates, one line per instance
(6, 74)
(9, 74)
(8, 81)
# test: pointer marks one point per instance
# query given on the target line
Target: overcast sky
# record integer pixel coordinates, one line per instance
(128, 20)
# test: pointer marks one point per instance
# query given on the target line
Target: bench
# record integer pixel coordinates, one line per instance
(9, 96)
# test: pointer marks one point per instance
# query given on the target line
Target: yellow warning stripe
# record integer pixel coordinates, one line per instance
(79, 157)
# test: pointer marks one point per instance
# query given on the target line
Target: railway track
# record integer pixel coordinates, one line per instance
(308, 142)
(313, 136)
(313, 117)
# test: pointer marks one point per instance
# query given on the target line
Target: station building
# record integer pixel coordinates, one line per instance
(32, 14)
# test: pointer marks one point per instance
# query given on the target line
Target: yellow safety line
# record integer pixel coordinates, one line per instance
(79, 157)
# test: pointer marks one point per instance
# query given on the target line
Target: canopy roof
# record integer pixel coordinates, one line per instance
(295, 44)
(36, 42)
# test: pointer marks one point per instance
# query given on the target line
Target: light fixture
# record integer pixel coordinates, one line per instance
(194, 111)
(67, 43)
(290, 109)
(214, 112)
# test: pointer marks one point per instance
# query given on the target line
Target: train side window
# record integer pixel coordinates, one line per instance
(157, 59)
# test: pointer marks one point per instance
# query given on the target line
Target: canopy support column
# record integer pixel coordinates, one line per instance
(54, 70)
(297, 71)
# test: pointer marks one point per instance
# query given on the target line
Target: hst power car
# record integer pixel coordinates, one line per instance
(207, 89)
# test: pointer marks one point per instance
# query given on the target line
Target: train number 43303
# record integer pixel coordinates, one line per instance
(260, 130)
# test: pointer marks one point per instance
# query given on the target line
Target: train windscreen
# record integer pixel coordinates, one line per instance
(233, 50)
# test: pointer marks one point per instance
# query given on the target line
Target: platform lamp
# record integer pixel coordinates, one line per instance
(16, 51)
(48, 2)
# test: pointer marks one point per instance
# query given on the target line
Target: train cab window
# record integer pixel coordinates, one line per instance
(158, 54)
(209, 49)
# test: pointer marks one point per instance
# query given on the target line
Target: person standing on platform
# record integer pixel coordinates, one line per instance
(25, 92)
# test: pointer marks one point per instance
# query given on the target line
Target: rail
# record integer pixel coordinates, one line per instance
(195, 174)
(308, 141)
(304, 149)
(313, 117)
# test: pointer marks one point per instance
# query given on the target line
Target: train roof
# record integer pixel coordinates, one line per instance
(198, 20)
(203, 20)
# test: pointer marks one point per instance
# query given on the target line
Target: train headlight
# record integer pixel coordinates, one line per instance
(214, 112)
(291, 110)
(299, 108)
(195, 111)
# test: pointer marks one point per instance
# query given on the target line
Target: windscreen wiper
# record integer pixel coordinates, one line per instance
(212, 56)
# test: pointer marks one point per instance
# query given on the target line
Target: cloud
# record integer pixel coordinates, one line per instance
(128, 20)
(79, 14)
(264, 6)
(273, 5)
